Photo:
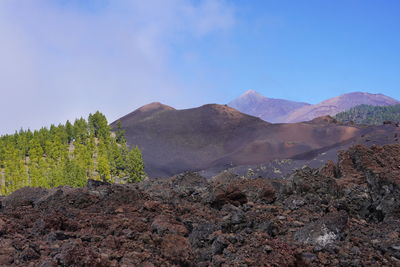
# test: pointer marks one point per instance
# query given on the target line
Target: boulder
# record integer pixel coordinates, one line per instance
(324, 231)
(164, 224)
(177, 249)
(75, 253)
(26, 196)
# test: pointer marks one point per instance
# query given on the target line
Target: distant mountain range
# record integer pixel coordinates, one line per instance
(284, 111)
(269, 109)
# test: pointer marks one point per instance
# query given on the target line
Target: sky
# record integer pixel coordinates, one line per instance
(63, 59)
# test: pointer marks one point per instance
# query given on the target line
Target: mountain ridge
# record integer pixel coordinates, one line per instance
(268, 109)
(212, 135)
(285, 111)
(335, 105)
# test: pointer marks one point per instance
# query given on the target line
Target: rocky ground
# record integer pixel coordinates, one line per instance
(344, 214)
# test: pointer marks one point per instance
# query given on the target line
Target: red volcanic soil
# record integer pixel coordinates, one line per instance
(173, 141)
(344, 214)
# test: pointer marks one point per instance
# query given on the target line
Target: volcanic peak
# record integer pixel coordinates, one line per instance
(154, 106)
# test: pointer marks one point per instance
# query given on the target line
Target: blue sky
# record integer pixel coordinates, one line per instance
(62, 59)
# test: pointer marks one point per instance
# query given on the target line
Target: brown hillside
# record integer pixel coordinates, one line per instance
(173, 141)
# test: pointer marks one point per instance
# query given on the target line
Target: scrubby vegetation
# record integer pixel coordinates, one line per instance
(370, 115)
(68, 154)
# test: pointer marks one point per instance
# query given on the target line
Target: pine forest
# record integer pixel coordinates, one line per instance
(68, 154)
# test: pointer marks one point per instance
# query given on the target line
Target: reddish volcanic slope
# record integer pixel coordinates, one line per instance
(338, 104)
(174, 141)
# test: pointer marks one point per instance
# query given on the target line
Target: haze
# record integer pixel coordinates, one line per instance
(64, 59)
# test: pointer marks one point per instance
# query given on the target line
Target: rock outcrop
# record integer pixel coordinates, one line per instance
(344, 214)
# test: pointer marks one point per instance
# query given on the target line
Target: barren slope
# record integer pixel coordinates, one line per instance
(278, 168)
(173, 141)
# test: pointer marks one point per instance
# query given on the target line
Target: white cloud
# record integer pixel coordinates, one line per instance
(63, 61)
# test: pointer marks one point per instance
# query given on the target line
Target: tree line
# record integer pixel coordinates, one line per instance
(68, 154)
(370, 115)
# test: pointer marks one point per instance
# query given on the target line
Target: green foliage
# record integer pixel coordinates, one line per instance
(68, 154)
(98, 126)
(103, 168)
(81, 130)
(370, 115)
(120, 134)
(74, 173)
(135, 166)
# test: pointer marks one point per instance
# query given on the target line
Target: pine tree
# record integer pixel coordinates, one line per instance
(74, 175)
(81, 133)
(135, 166)
(120, 134)
(98, 126)
(119, 158)
(103, 168)
(15, 175)
(69, 129)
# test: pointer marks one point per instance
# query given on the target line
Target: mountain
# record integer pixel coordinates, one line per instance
(173, 141)
(144, 112)
(370, 115)
(268, 109)
(338, 104)
(285, 111)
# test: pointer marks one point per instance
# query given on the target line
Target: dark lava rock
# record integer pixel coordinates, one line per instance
(234, 222)
(344, 214)
(200, 235)
(26, 196)
(324, 231)
(231, 195)
(268, 227)
(93, 184)
(29, 254)
(74, 253)
(177, 249)
(3, 227)
(370, 178)
(219, 244)
(163, 224)
(306, 259)
(53, 236)
(7, 253)
(190, 186)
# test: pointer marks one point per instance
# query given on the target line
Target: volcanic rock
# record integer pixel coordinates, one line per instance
(324, 231)
(163, 224)
(177, 249)
(344, 214)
